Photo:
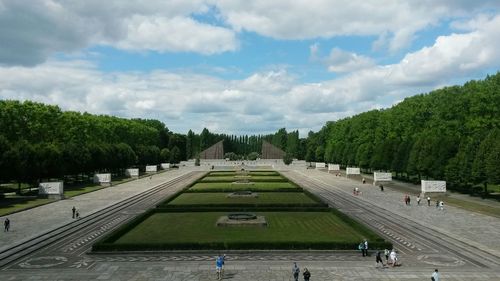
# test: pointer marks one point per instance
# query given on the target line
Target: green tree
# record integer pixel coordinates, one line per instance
(287, 159)
(253, 156)
(165, 155)
(175, 155)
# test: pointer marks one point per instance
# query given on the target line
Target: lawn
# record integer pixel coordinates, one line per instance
(285, 230)
(15, 204)
(222, 174)
(240, 177)
(257, 186)
(222, 199)
(233, 173)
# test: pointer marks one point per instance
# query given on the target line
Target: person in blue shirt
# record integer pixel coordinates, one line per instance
(218, 267)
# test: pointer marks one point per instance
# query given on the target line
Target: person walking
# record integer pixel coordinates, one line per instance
(364, 180)
(381, 188)
(218, 267)
(378, 259)
(386, 254)
(394, 258)
(428, 201)
(306, 274)
(435, 275)
(295, 271)
(441, 205)
(408, 199)
(6, 225)
(74, 211)
(364, 248)
(418, 199)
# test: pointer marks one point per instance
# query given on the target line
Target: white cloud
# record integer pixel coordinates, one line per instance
(342, 61)
(176, 34)
(33, 31)
(261, 102)
(397, 21)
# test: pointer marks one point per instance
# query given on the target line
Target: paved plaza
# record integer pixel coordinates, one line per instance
(68, 257)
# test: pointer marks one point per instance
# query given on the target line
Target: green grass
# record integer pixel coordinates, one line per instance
(233, 173)
(264, 173)
(222, 174)
(494, 188)
(289, 229)
(222, 199)
(15, 204)
(13, 187)
(227, 186)
(236, 178)
(75, 191)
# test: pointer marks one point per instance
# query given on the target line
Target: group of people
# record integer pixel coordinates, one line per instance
(439, 203)
(391, 258)
(296, 273)
(76, 214)
(363, 247)
(356, 191)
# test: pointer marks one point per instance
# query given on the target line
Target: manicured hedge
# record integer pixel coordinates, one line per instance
(291, 245)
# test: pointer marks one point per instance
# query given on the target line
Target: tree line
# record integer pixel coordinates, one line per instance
(245, 146)
(39, 141)
(450, 134)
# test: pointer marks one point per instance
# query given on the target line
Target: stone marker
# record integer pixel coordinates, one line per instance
(151, 169)
(51, 190)
(102, 179)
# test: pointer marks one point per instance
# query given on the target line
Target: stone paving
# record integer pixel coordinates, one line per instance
(263, 266)
(476, 229)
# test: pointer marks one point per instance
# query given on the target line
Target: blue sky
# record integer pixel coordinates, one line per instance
(241, 67)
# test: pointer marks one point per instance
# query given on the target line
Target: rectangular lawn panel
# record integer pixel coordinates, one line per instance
(229, 186)
(275, 178)
(213, 198)
(264, 173)
(285, 230)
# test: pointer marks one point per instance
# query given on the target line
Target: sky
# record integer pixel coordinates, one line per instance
(241, 67)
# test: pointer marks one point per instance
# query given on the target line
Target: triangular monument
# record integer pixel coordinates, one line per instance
(216, 151)
(270, 151)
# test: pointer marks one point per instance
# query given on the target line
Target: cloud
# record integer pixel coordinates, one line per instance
(178, 34)
(341, 61)
(261, 102)
(33, 31)
(451, 57)
(396, 22)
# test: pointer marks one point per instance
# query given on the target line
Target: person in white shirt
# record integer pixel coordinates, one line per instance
(393, 257)
(435, 275)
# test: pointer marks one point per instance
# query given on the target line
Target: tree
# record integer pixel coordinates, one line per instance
(175, 155)
(287, 159)
(483, 167)
(190, 145)
(253, 156)
(165, 155)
